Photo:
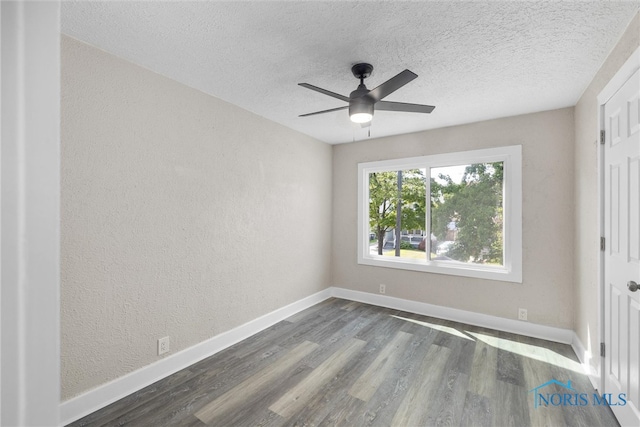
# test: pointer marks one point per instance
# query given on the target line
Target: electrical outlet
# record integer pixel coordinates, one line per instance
(163, 345)
(383, 289)
(522, 314)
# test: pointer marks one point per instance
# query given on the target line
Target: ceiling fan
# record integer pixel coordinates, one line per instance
(363, 102)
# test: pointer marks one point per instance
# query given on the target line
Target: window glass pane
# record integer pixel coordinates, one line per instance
(397, 212)
(467, 213)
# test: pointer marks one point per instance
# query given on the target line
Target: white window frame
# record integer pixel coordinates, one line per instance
(511, 156)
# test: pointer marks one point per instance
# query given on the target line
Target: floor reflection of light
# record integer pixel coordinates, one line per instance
(442, 328)
(527, 350)
(531, 351)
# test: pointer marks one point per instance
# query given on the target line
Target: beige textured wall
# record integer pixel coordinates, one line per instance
(586, 192)
(546, 291)
(182, 215)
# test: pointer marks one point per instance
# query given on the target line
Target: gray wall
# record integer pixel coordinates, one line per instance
(586, 231)
(181, 215)
(547, 223)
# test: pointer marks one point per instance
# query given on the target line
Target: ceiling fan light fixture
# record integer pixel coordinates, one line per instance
(360, 110)
(361, 117)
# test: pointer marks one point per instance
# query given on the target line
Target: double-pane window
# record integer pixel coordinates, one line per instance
(457, 213)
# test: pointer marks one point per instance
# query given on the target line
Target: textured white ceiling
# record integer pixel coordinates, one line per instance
(475, 60)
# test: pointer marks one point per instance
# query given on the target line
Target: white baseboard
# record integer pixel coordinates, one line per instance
(86, 403)
(549, 333)
(93, 400)
(585, 357)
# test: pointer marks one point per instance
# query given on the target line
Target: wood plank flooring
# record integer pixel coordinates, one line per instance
(343, 363)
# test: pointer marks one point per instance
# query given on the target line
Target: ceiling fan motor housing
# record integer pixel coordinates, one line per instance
(359, 103)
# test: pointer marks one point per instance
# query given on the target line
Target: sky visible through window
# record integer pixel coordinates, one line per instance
(455, 172)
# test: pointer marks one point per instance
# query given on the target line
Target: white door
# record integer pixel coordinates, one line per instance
(622, 250)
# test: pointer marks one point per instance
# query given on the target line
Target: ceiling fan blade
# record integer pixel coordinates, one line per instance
(324, 111)
(403, 106)
(391, 85)
(324, 91)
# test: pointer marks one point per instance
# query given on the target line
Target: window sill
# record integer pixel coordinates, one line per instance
(439, 267)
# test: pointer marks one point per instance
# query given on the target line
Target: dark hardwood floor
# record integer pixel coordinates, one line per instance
(351, 364)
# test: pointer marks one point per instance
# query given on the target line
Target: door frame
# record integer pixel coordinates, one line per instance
(631, 65)
(30, 213)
